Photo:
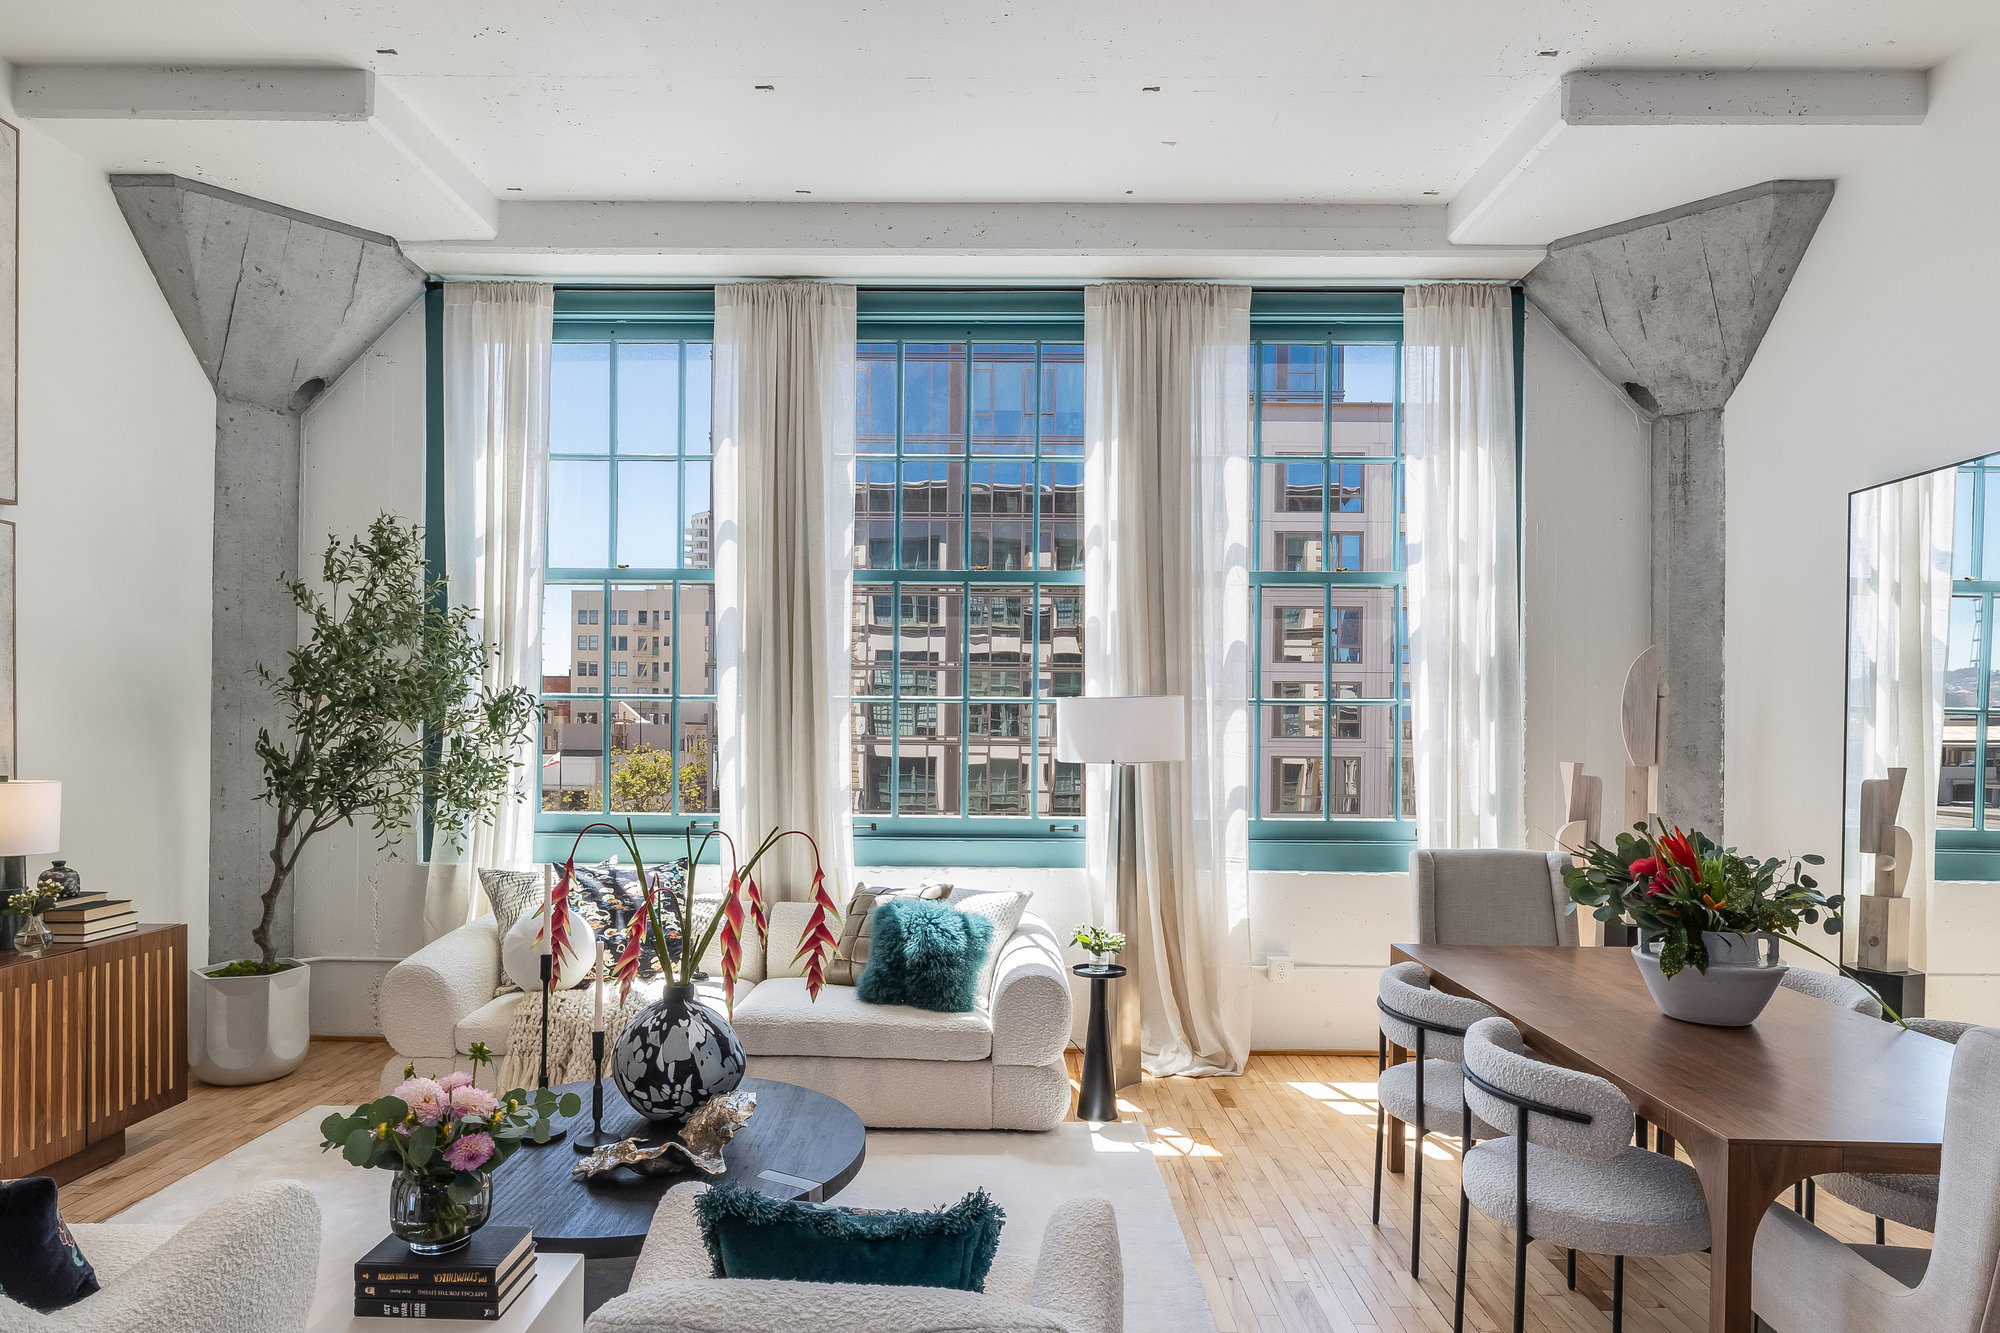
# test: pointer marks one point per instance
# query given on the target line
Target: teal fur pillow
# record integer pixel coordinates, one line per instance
(750, 1235)
(924, 954)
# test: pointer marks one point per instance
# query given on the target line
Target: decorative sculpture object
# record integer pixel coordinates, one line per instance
(707, 1132)
(1583, 809)
(1644, 723)
(1884, 913)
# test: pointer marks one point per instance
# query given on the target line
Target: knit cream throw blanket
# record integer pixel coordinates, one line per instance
(570, 1012)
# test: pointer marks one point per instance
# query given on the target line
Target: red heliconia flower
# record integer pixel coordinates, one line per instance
(1645, 867)
(732, 940)
(818, 940)
(625, 968)
(756, 898)
(561, 946)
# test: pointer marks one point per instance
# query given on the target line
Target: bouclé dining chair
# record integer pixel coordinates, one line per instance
(1833, 988)
(1805, 1281)
(1567, 1173)
(1428, 1092)
(1490, 897)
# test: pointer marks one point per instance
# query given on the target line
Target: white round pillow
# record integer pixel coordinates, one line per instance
(520, 952)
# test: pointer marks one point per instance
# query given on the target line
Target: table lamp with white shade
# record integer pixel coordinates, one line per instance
(30, 825)
(1124, 731)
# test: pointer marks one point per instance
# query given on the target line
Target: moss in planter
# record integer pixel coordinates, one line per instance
(248, 967)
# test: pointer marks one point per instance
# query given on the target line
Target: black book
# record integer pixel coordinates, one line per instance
(415, 1309)
(453, 1288)
(488, 1258)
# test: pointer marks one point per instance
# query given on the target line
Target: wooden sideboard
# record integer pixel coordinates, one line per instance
(93, 1038)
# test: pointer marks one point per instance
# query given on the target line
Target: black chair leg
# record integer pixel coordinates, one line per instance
(1572, 1270)
(1639, 1129)
(1520, 1282)
(1375, 1214)
(1799, 1198)
(1812, 1199)
(1881, 1232)
(1618, 1294)
(1417, 1199)
(1464, 1226)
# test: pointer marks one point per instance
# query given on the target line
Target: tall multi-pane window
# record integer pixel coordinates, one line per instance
(1969, 766)
(1331, 758)
(628, 619)
(968, 591)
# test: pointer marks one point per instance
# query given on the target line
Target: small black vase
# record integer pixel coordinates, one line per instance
(66, 880)
(676, 1056)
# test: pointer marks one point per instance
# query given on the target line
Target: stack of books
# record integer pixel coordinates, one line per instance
(90, 916)
(479, 1281)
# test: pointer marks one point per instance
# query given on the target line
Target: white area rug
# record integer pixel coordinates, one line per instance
(1028, 1174)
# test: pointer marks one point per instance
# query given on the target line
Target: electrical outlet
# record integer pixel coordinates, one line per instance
(1280, 966)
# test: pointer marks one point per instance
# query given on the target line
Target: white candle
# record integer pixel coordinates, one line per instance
(597, 1014)
(549, 910)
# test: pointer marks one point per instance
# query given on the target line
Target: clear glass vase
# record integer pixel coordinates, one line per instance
(424, 1213)
(32, 938)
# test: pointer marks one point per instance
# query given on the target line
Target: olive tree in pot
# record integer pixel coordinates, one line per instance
(384, 711)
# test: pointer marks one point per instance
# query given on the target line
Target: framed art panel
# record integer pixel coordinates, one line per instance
(10, 329)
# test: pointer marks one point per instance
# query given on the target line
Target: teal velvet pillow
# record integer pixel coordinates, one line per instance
(750, 1235)
(924, 954)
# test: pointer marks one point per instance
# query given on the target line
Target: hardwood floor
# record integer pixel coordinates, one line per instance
(1270, 1174)
(213, 1121)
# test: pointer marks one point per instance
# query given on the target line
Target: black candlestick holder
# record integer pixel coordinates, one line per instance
(548, 984)
(584, 1140)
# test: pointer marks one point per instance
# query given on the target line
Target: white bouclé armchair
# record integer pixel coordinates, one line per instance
(247, 1265)
(1076, 1286)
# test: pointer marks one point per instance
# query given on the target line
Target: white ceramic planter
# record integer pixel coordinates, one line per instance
(249, 1029)
(1731, 994)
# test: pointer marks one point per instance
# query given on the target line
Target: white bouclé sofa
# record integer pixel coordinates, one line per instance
(998, 1067)
(1077, 1286)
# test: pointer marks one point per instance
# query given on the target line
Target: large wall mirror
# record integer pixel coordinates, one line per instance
(1922, 791)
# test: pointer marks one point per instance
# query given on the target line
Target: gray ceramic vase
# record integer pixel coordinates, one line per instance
(1739, 982)
(676, 1056)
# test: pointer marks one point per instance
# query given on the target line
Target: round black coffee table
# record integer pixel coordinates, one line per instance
(799, 1144)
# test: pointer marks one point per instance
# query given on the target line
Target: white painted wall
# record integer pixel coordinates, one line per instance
(117, 466)
(357, 909)
(1880, 363)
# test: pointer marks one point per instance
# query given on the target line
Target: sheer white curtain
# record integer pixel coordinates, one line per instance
(496, 453)
(1167, 559)
(1899, 590)
(1464, 585)
(784, 451)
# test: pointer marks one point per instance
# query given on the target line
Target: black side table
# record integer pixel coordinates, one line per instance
(1097, 1100)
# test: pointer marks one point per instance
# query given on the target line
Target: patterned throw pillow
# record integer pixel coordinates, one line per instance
(40, 1265)
(751, 1235)
(608, 895)
(850, 955)
(1004, 908)
(514, 894)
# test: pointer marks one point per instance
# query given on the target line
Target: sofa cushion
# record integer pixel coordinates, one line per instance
(489, 1023)
(1004, 908)
(850, 953)
(925, 954)
(702, 1305)
(779, 1018)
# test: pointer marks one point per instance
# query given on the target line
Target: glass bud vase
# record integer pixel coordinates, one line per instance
(33, 938)
(424, 1213)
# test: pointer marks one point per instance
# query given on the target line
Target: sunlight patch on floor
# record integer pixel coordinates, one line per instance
(1170, 1142)
(1357, 1099)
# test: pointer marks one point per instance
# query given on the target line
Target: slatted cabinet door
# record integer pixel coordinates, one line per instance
(44, 1047)
(137, 989)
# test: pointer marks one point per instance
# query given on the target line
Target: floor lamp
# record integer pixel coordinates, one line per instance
(1123, 731)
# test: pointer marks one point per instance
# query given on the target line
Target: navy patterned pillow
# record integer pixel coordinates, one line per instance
(40, 1265)
(608, 896)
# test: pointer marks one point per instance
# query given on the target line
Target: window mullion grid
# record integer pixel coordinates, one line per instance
(896, 599)
(1982, 699)
(964, 571)
(1257, 713)
(611, 560)
(1326, 563)
(1397, 563)
(1032, 640)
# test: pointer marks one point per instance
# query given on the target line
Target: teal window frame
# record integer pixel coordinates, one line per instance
(906, 316)
(1326, 842)
(1974, 853)
(631, 315)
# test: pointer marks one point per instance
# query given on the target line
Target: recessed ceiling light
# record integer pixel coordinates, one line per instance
(1548, 53)
(514, 189)
(1150, 88)
(1430, 191)
(1128, 192)
(385, 50)
(801, 191)
(766, 87)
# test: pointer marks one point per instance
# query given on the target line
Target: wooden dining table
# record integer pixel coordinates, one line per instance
(1809, 1088)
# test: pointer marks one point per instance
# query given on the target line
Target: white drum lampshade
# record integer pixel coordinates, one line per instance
(1129, 729)
(30, 818)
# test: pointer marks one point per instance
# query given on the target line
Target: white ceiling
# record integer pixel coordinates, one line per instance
(1355, 101)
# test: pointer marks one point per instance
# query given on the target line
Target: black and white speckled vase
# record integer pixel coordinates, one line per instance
(677, 1055)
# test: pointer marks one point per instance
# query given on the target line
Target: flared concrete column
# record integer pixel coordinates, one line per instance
(276, 306)
(1671, 308)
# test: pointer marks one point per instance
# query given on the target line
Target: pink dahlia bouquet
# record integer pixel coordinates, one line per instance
(445, 1129)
